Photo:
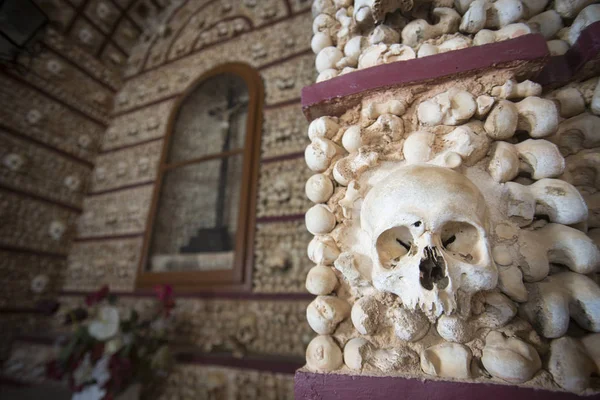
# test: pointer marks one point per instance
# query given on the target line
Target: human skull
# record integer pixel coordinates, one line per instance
(54, 66)
(13, 161)
(33, 116)
(86, 36)
(429, 244)
(57, 229)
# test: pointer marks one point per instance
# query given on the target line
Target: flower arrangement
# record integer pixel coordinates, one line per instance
(106, 353)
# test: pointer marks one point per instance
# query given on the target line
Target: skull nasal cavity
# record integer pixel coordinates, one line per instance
(432, 269)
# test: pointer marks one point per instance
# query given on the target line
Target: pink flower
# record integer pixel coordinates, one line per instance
(97, 297)
(163, 292)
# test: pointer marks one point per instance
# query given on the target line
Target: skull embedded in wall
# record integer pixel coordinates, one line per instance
(54, 67)
(57, 229)
(33, 116)
(143, 164)
(85, 36)
(39, 283)
(246, 331)
(13, 161)
(84, 141)
(72, 182)
(121, 168)
(280, 191)
(429, 243)
(103, 10)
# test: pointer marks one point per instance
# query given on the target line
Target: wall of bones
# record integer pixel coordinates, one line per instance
(455, 220)
(83, 134)
(350, 35)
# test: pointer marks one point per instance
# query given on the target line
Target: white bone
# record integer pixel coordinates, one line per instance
(570, 8)
(319, 188)
(504, 12)
(447, 360)
(572, 362)
(325, 313)
(509, 358)
(323, 127)
(557, 47)
(383, 34)
(570, 100)
(322, 249)
(319, 220)
(323, 354)
(320, 153)
(351, 167)
(513, 90)
(585, 18)
(321, 280)
(452, 107)
(351, 196)
(351, 140)
(559, 298)
(328, 58)
(557, 199)
(548, 23)
(539, 117)
(366, 315)
(419, 30)
(319, 41)
(327, 75)
(577, 133)
(511, 31)
(501, 122)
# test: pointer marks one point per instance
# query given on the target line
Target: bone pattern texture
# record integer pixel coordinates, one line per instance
(446, 247)
(350, 35)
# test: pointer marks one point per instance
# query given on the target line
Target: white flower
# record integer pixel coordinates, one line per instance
(83, 372)
(101, 373)
(113, 345)
(106, 324)
(91, 392)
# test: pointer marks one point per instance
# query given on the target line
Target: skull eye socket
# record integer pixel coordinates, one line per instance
(462, 240)
(393, 244)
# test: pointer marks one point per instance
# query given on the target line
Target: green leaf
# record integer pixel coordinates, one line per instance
(112, 299)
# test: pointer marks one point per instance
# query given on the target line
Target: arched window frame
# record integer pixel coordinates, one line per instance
(240, 277)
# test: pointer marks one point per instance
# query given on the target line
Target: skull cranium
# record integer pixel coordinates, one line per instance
(429, 242)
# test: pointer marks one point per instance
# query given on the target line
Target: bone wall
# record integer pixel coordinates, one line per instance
(121, 158)
(53, 120)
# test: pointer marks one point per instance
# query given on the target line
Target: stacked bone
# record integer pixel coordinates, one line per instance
(350, 35)
(448, 240)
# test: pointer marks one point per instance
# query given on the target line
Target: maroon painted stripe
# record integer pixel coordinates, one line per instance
(77, 66)
(56, 99)
(283, 365)
(128, 146)
(279, 218)
(46, 146)
(108, 237)
(141, 293)
(282, 104)
(284, 157)
(332, 386)
(22, 250)
(120, 188)
(142, 106)
(144, 70)
(285, 59)
(563, 69)
(43, 199)
(334, 96)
